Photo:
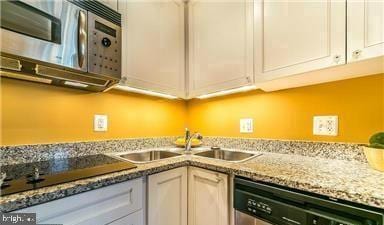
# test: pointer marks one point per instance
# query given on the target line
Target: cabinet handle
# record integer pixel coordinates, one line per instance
(130, 195)
(81, 38)
(336, 58)
(248, 79)
(217, 180)
(356, 54)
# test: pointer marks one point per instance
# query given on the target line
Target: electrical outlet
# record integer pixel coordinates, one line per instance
(246, 125)
(325, 125)
(100, 123)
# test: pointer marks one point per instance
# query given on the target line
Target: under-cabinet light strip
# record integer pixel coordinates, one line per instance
(145, 92)
(226, 92)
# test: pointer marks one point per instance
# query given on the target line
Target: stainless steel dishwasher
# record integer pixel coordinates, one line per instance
(265, 204)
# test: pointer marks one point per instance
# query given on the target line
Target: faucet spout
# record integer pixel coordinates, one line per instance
(188, 142)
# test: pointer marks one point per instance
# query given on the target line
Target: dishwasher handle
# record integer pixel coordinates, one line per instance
(334, 217)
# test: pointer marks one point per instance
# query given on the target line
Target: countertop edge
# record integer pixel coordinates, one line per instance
(22, 200)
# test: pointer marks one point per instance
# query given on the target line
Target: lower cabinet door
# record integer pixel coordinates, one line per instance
(207, 197)
(97, 207)
(133, 219)
(167, 198)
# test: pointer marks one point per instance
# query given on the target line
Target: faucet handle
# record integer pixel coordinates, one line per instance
(187, 134)
(3, 176)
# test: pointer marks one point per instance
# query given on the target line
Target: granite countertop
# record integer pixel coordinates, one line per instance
(346, 180)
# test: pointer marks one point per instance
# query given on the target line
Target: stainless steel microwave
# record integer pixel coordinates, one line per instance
(68, 43)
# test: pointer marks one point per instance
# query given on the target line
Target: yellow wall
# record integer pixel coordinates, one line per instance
(37, 113)
(288, 114)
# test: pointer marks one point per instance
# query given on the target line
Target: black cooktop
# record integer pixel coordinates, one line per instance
(29, 176)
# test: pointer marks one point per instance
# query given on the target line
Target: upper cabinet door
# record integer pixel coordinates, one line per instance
(220, 45)
(294, 37)
(365, 29)
(153, 45)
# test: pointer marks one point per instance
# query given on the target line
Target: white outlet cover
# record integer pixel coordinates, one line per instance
(326, 125)
(246, 125)
(100, 123)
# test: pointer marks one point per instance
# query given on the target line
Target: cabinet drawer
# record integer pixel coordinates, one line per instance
(100, 206)
(132, 219)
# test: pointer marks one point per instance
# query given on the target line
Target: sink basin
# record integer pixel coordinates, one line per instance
(227, 155)
(148, 156)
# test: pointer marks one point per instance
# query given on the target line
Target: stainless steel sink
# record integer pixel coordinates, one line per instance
(147, 156)
(227, 155)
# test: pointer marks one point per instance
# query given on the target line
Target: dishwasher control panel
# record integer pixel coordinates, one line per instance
(277, 205)
(254, 205)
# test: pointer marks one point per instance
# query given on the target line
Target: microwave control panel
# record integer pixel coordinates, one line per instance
(104, 47)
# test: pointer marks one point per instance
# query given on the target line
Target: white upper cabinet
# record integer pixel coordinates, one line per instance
(220, 45)
(294, 37)
(167, 197)
(208, 202)
(153, 45)
(365, 29)
(110, 3)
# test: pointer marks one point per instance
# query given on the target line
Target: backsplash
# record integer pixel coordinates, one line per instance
(330, 150)
(40, 152)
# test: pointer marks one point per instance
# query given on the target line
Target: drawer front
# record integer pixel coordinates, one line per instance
(132, 219)
(100, 206)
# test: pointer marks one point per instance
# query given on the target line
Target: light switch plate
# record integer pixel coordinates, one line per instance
(100, 123)
(325, 125)
(246, 125)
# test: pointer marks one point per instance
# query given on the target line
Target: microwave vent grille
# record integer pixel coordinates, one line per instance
(21, 76)
(69, 76)
(10, 64)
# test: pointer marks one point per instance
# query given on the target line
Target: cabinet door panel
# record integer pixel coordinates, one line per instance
(293, 37)
(208, 197)
(220, 45)
(153, 45)
(365, 30)
(167, 197)
(95, 207)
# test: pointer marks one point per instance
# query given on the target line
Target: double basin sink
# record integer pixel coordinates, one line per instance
(155, 155)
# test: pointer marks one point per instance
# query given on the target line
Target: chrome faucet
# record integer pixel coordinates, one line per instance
(188, 140)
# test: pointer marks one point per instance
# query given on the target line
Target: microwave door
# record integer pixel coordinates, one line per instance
(49, 31)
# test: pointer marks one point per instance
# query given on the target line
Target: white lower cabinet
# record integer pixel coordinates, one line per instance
(167, 197)
(200, 193)
(103, 206)
(207, 197)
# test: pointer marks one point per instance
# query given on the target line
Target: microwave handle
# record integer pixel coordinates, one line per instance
(81, 38)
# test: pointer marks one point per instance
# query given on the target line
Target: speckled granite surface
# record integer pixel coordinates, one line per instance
(329, 150)
(39, 152)
(348, 180)
(31, 153)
